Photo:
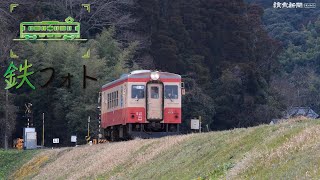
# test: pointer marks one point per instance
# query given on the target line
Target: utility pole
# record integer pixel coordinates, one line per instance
(6, 122)
(100, 135)
(42, 129)
(99, 116)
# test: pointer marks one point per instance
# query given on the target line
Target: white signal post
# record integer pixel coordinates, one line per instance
(88, 126)
(200, 124)
(88, 136)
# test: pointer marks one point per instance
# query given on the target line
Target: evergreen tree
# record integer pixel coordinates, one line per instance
(68, 108)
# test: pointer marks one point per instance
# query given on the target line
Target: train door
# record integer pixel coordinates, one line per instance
(154, 101)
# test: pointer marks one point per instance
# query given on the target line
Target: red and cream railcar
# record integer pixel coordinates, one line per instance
(143, 104)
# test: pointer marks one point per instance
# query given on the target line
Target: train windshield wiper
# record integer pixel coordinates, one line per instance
(168, 97)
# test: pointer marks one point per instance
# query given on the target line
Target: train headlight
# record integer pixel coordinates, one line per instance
(155, 76)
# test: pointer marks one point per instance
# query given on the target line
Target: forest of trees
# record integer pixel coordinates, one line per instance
(243, 63)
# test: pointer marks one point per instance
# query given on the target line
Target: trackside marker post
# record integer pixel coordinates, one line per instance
(200, 124)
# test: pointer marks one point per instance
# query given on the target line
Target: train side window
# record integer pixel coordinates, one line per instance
(117, 98)
(113, 99)
(154, 92)
(137, 91)
(108, 100)
(171, 92)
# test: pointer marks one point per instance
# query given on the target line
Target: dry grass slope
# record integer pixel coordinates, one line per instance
(290, 150)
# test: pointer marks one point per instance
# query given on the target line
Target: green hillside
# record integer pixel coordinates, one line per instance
(289, 150)
(12, 160)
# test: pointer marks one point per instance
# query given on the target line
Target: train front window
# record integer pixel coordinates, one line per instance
(154, 92)
(137, 91)
(171, 92)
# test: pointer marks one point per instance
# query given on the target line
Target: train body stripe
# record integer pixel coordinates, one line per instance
(137, 115)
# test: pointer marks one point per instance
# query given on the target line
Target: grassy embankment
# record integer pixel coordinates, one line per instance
(284, 151)
(12, 160)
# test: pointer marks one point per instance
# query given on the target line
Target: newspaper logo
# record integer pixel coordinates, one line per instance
(290, 5)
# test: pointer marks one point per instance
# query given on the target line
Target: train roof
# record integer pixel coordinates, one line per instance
(143, 74)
